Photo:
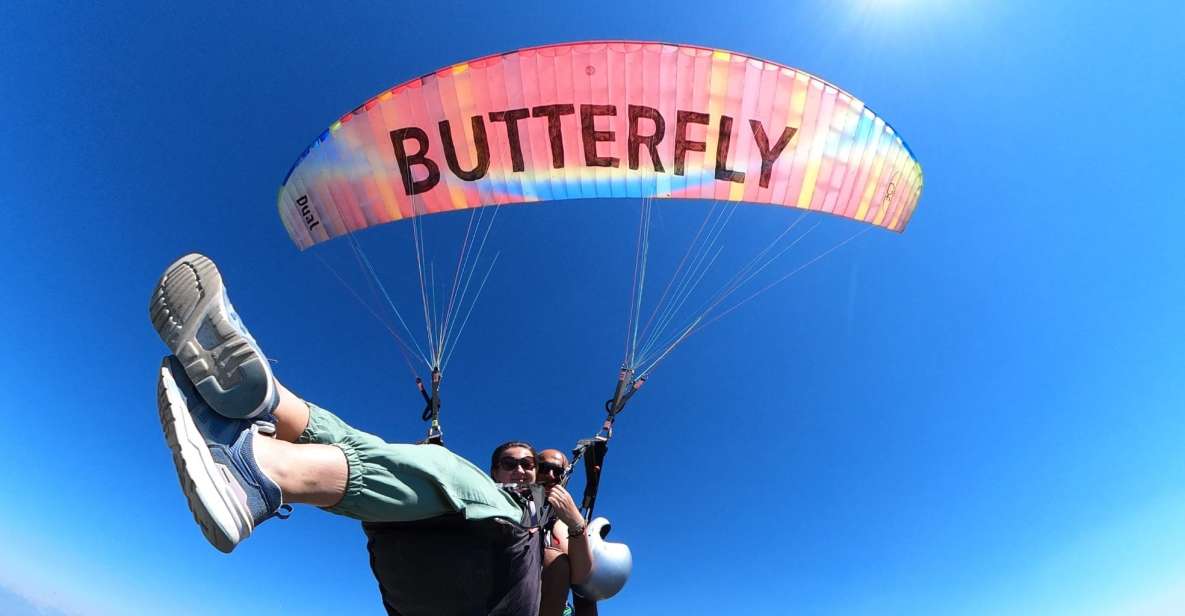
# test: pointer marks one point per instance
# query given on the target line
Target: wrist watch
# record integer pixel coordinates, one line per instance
(576, 531)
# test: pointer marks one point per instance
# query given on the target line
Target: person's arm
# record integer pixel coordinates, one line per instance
(579, 558)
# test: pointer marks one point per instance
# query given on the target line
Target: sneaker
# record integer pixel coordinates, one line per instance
(227, 492)
(192, 314)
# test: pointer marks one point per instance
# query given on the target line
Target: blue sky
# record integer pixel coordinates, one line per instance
(979, 416)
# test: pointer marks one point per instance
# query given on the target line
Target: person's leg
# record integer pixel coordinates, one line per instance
(214, 457)
(582, 606)
(383, 482)
(557, 578)
(309, 474)
(192, 313)
(234, 475)
(311, 462)
(391, 482)
(291, 415)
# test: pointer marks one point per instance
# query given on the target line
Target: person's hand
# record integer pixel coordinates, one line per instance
(565, 508)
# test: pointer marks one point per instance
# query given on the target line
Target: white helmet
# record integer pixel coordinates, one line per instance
(611, 564)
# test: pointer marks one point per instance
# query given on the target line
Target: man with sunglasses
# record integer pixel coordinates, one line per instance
(444, 538)
(566, 557)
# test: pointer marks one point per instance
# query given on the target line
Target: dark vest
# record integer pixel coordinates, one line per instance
(449, 566)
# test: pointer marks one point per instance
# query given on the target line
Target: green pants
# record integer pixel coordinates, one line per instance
(403, 483)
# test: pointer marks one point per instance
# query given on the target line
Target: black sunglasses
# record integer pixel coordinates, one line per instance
(508, 463)
(547, 468)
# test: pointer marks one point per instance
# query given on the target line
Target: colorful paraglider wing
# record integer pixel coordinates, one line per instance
(596, 120)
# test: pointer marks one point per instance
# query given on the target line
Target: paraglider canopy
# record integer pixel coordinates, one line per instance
(601, 119)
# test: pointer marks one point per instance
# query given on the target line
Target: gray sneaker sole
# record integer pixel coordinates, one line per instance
(223, 518)
(190, 312)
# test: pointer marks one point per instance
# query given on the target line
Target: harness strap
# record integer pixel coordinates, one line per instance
(593, 450)
(431, 409)
(594, 459)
